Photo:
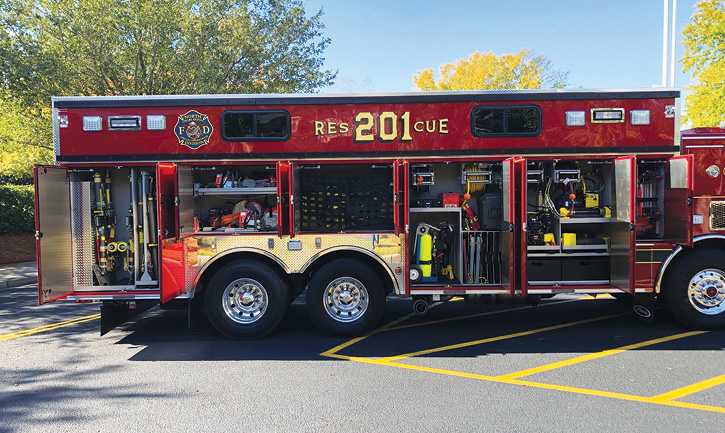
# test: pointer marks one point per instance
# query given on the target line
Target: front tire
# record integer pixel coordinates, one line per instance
(695, 290)
(246, 299)
(345, 298)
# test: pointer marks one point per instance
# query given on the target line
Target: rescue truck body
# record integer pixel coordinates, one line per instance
(236, 204)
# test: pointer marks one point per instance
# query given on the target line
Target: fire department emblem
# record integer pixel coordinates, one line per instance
(193, 129)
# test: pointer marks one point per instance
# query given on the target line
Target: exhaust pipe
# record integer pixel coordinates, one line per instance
(420, 307)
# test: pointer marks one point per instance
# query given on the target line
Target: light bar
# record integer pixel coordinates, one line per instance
(124, 123)
(607, 115)
(92, 123)
(639, 117)
(576, 118)
(155, 122)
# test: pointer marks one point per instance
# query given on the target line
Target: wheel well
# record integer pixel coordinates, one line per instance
(241, 255)
(354, 255)
(712, 243)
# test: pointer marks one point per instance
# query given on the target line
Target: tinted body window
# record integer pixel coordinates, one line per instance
(255, 125)
(493, 121)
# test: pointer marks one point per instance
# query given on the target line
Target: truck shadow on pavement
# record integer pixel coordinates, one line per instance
(574, 326)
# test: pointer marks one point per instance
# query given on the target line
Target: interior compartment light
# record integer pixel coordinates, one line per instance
(155, 122)
(124, 123)
(607, 115)
(92, 123)
(576, 118)
(639, 117)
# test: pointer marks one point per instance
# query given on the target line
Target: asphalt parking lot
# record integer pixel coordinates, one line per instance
(572, 363)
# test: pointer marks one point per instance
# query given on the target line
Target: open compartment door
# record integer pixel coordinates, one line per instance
(283, 198)
(623, 215)
(53, 233)
(184, 200)
(520, 235)
(400, 203)
(171, 248)
(294, 189)
(508, 238)
(678, 200)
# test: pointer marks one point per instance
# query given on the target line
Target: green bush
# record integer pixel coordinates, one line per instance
(17, 207)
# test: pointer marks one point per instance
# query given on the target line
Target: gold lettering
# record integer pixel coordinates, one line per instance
(443, 126)
(344, 127)
(331, 128)
(319, 128)
(418, 127)
(430, 126)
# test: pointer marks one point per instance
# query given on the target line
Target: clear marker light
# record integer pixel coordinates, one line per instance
(92, 123)
(575, 118)
(639, 117)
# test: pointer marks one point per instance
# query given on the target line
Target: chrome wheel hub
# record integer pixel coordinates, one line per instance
(245, 300)
(346, 299)
(706, 291)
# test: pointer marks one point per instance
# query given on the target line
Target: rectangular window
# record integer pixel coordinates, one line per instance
(265, 125)
(500, 121)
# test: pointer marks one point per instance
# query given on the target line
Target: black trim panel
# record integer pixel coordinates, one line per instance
(111, 101)
(390, 154)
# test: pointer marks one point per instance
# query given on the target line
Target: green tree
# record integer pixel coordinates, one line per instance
(523, 70)
(118, 47)
(704, 41)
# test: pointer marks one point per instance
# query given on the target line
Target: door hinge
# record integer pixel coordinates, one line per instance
(176, 201)
(38, 235)
(689, 201)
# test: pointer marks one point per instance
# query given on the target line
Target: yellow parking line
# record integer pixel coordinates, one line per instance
(548, 386)
(49, 327)
(498, 338)
(601, 354)
(332, 352)
(690, 389)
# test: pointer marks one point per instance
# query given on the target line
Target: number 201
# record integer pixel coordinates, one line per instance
(386, 127)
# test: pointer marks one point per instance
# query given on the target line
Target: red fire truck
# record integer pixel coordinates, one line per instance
(238, 203)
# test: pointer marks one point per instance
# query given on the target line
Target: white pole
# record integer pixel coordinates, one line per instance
(672, 50)
(665, 34)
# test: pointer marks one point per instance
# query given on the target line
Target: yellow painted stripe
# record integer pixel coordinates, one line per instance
(690, 389)
(498, 338)
(334, 350)
(49, 327)
(548, 386)
(597, 355)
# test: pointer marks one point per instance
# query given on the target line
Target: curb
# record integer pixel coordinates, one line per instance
(15, 282)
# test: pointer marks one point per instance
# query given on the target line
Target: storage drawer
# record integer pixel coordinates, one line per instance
(543, 269)
(585, 268)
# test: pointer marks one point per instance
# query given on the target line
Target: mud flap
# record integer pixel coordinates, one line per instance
(115, 313)
(643, 306)
(194, 315)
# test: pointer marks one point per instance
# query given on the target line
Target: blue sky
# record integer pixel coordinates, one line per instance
(378, 45)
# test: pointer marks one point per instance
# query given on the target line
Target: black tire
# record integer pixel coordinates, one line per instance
(345, 298)
(259, 285)
(702, 270)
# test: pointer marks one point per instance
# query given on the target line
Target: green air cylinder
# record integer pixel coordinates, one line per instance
(425, 254)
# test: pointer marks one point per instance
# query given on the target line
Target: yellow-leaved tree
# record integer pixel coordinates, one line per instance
(523, 70)
(704, 41)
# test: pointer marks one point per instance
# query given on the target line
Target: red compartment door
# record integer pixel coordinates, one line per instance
(678, 200)
(283, 197)
(171, 247)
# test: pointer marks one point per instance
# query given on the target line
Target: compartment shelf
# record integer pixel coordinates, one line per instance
(434, 209)
(585, 220)
(269, 190)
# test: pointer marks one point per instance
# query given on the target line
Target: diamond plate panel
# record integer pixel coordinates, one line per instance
(82, 234)
(296, 254)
